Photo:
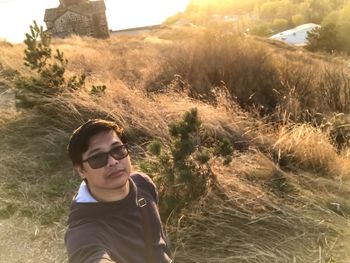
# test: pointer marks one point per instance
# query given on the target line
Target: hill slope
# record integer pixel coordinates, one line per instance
(284, 198)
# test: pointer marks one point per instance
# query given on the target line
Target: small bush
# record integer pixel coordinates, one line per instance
(335, 89)
(49, 68)
(280, 24)
(339, 130)
(98, 90)
(49, 77)
(263, 29)
(183, 168)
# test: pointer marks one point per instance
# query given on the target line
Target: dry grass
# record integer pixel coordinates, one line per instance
(260, 221)
(23, 240)
(284, 198)
(12, 56)
(311, 149)
(255, 73)
(124, 58)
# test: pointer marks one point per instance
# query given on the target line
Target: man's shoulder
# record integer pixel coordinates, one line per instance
(143, 181)
(141, 177)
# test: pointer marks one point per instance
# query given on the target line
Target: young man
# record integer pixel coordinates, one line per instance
(114, 215)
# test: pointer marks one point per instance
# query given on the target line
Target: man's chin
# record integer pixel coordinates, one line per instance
(120, 183)
(120, 186)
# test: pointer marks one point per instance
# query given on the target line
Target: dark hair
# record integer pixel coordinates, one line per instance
(79, 141)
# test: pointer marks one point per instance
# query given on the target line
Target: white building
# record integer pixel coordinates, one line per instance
(295, 36)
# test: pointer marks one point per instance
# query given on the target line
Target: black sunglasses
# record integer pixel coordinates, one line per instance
(99, 160)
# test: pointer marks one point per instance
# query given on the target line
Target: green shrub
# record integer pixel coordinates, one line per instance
(324, 38)
(225, 150)
(263, 29)
(280, 24)
(339, 130)
(182, 169)
(155, 148)
(48, 79)
(98, 90)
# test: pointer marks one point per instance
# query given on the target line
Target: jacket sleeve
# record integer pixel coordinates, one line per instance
(90, 255)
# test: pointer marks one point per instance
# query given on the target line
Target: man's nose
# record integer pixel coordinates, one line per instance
(111, 161)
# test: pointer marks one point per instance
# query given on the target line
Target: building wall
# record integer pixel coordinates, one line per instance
(79, 17)
(65, 3)
(72, 23)
(100, 26)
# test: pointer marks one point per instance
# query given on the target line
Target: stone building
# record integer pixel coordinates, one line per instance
(81, 17)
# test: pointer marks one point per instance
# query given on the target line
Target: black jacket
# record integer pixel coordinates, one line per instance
(116, 231)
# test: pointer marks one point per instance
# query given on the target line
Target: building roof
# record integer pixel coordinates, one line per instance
(89, 8)
(53, 13)
(297, 29)
(297, 35)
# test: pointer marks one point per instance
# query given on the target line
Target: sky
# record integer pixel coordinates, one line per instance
(17, 15)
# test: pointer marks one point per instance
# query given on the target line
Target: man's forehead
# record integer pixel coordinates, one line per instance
(103, 138)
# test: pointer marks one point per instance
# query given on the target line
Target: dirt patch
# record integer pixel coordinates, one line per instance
(21, 240)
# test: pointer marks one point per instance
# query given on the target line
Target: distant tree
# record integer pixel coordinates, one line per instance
(337, 4)
(343, 27)
(324, 38)
(344, 38)
(298, 19)
(331, 18)
(173, 19)
(242, 7)
(317, 10)
(261, 30)
(268, 10)
(286, 9)
(280, 24)
(295, 11)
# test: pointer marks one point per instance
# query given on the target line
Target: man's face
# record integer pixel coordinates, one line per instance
(114, 174)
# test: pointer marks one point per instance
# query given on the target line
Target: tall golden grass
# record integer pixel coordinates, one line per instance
(284, 198)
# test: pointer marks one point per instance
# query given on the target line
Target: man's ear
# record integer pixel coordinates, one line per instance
(80, 170)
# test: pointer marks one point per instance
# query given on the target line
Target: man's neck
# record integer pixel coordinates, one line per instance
(110, 195)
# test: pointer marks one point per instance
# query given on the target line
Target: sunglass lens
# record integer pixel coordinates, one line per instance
(98, 160)
(119, 152)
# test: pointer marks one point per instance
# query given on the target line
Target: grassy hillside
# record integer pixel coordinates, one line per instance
(284, 197)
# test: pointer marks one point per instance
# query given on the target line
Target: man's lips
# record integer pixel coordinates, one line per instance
(116, 173)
